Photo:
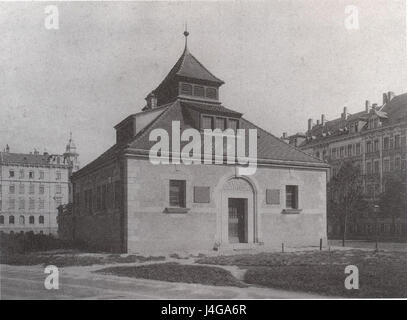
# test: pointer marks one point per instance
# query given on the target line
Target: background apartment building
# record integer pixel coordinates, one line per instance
(32, 187)
(374, 139)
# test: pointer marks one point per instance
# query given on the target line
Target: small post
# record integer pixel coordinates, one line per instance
(320, 244)
(282, 247)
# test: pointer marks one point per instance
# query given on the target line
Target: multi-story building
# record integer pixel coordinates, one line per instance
(32, 187)
(374, 139)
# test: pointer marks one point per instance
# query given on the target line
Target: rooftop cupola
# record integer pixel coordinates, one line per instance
(188, 79)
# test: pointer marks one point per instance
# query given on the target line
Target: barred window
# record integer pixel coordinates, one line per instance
(177, 193)
(291, 197)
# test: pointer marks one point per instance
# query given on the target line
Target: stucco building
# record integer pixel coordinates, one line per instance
(32, 186)
(373, 139)
(124, 202)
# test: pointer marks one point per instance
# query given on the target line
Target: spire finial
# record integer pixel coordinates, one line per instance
(186, 34)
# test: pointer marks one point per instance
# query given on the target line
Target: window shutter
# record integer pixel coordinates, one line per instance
(202, 195)
(273, 196)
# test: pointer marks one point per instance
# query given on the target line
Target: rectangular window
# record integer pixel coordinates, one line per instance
(376, 145)
(11, 174)
(291, 197)
(358, 149)
(368, 147)
(202, 195)
(397, 141)
(31, 188)
(220, 123)
(11, 189)
(186, 89)
(350, 150)
(21, 204)
(212, 93)
(272, 196)
(207, 122)
(386, 143)
(342, 152)
(333, 153)
(21, 189)
(177, 193)
(41, 189)
(31, 174)
(58, 175)
(58, 188)
(386, 165)
(199, 91)
(21, 174)
(41, 175)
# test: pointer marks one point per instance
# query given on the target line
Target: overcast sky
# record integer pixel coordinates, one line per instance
(282, 62)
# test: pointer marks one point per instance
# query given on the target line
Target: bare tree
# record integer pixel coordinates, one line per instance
(346, 193)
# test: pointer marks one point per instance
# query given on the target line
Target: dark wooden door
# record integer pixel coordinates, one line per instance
(237, 220)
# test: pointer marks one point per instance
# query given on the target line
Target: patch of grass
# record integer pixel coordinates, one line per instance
(381, 274)
(66, 260)
(174, 272)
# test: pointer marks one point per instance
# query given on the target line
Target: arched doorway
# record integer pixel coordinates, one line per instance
(238, 212)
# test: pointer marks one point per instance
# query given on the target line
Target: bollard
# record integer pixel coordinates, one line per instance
(320, 244)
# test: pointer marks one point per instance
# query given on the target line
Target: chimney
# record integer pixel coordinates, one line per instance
(390, 96)
(323, 121)
(345, 113)
(374, 106)
(317, 122)
(385, 98)
(7, 148)
(309, 124)
(151, 101)
(36, 152)
(367, 106)
(284, 135)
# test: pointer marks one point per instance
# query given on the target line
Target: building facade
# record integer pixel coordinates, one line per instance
(32, 187)
(132, 204)
(373, 139)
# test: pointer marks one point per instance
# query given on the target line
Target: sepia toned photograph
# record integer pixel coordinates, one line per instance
(203, 150)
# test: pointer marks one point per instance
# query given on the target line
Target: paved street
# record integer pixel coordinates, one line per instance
(19, 282)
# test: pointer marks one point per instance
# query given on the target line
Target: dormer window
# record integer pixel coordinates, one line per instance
(186, 89)
(199, 91)
(212, 93)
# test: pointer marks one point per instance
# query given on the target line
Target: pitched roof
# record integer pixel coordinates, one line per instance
(188, 66)
(269, 147)
(25, 158)
(392, 112)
